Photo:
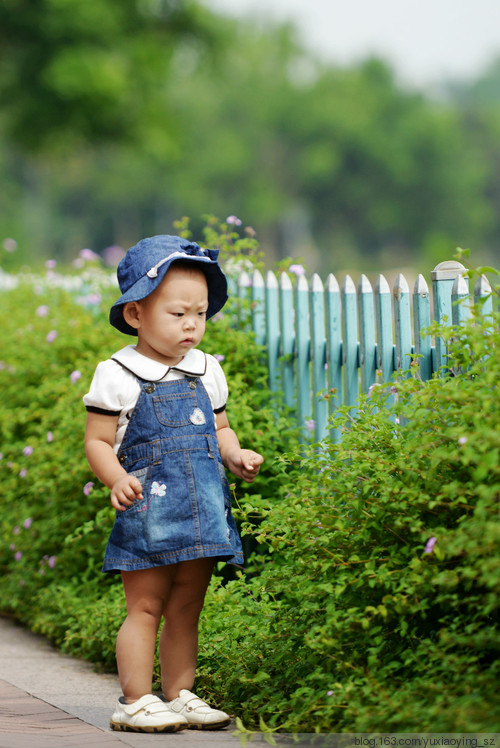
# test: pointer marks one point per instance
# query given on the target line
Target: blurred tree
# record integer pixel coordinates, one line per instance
(326, 163)
(383, 169)
(91, 71)
(343, 160)
(482, 93)
(479, 103)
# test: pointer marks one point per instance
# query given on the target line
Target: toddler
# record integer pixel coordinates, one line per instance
(158, 437)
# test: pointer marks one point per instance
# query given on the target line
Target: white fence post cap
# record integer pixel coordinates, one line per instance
(447, 270)
(482, 287)
(421, 288)
(382, 285)
(460, 286)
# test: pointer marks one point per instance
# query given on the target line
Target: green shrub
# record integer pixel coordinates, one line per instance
(373, 604)
(57, 516)
(376, 608)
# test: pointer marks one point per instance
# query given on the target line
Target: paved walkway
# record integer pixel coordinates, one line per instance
(51, 700)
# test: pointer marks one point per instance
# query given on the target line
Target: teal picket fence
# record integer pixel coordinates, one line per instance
(330, 338)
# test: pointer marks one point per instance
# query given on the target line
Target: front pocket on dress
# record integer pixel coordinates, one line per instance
(143, 475)
(175, 410)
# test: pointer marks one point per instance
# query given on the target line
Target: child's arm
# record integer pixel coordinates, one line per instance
(99, 441)
(241, 462)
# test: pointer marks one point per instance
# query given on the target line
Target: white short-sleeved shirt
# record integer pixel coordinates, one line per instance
(115, 389)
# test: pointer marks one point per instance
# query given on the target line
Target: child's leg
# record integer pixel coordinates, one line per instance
(179, 636)
(146, 593)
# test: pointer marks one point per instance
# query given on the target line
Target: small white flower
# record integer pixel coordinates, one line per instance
(158, 489)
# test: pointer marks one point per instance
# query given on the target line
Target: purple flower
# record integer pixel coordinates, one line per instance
(329, 693)
(297, 269)
(429, 546)
(42, 310)
(27, 451)
(23, 473)
(51, 336)
(88, 255)
(50, 264)
(10, 245)
(462, 440)
(112, 255)
(27, 523)
(18, 555)
(75, 376)
(372, 387)
(310, 424)
(233, 221)
(16, 530)
(50, 436)
(52, 561)
(219, 357)
(88, 488)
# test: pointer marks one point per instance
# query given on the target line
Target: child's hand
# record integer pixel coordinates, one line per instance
(125, 491)
(245, 464)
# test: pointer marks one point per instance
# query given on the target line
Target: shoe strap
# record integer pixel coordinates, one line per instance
(187, 699)
(146, 701)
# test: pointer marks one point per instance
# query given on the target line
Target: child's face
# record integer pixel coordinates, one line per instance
(171, 320)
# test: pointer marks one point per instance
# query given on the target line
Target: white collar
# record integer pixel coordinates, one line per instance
(194, 363)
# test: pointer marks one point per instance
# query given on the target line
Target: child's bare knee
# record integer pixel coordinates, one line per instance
(183, 607)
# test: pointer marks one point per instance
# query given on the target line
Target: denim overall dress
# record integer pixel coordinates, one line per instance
(170, 445)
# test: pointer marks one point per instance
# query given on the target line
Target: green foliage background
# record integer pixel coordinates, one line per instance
(57, 517)
(371, 603)
(376, 608)
(119, 115)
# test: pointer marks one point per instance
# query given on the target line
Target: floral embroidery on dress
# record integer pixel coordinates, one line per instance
(158, 489)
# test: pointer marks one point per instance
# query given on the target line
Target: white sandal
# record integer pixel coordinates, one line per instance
(148, 714)
(199, 715)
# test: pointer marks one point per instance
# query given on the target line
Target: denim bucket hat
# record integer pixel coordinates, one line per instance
(144, 266)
